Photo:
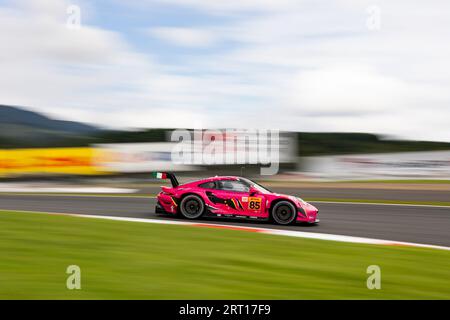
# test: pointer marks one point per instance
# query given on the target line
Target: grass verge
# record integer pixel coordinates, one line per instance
(126, 260)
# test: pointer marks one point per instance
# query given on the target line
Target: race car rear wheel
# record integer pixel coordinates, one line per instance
(192, 207)
(284, 212)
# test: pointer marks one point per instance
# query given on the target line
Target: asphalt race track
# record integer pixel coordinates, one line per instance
(351, 193)
(420, 224)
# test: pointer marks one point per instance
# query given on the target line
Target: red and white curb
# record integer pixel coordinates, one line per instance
(277, 232)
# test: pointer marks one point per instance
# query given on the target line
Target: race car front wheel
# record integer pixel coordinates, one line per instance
(284, 212)
(192, 207)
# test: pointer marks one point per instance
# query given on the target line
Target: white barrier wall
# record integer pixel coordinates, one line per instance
(404, 165)
(137, 157)
(159, 156)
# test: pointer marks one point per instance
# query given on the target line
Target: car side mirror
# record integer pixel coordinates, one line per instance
(253, 191)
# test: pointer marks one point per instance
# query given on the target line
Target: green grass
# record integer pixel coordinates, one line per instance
(127, 260)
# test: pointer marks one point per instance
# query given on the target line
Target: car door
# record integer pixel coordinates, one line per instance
(223, 197)
(235, 199)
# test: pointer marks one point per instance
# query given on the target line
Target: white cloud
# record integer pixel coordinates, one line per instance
(88, 74)
(230, 6)
(296, 65)
(189, 37)
(347, 90)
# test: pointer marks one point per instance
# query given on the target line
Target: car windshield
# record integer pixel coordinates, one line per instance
(255, 185)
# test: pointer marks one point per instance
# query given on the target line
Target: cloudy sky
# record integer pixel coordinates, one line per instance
(345, 65)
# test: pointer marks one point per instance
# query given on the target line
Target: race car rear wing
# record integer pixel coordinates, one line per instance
(167, 175)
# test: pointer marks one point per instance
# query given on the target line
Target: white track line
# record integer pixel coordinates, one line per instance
(50, 190)
(278, 232)
(87, 195)
(383, 204)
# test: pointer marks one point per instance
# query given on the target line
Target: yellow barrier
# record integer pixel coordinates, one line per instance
(48, 161)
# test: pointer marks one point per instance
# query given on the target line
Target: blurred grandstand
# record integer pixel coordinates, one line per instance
(35, 146)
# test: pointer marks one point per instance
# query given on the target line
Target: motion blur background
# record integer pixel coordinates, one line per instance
(113, 72)
(90, 92)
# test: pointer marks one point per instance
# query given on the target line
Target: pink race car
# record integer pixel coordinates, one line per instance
(232, 197)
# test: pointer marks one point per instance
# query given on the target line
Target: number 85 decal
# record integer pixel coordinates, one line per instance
(254, 204)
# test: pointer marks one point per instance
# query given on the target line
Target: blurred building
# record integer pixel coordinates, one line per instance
(402, 165)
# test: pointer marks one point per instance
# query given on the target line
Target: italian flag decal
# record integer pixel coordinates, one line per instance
(160, 175)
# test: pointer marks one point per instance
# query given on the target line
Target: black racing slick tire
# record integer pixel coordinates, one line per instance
(284, 213)
(192, 207)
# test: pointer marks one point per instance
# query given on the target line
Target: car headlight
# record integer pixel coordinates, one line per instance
(302, 201)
